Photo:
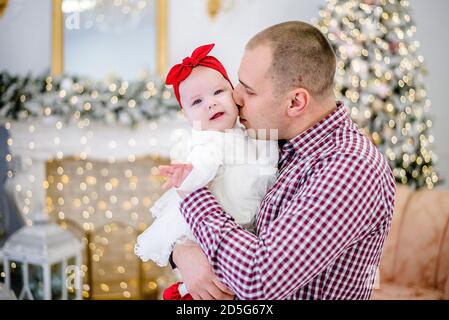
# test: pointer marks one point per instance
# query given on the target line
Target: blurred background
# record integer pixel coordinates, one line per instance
(86, 119)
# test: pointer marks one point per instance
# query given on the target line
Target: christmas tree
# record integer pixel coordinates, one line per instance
(380, 78)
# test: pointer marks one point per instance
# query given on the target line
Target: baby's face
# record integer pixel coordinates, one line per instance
(206, 98)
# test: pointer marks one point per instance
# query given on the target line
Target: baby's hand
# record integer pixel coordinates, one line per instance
(176, 174)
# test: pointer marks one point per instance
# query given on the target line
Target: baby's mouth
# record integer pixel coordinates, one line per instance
(217, 115)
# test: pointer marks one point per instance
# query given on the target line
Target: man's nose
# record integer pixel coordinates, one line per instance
(237, 96)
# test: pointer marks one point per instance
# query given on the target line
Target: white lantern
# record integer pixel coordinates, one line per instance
(43, 261)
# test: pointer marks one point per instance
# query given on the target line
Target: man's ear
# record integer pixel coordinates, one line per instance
(299, 100)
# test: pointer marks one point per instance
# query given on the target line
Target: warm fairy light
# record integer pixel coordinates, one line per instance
(89, 194)
(380, 77)
(88, 176)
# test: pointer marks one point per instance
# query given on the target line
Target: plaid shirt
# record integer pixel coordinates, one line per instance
(320, 229)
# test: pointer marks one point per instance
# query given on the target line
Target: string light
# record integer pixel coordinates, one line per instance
(115, 203)
(74, 194)
(379, 76)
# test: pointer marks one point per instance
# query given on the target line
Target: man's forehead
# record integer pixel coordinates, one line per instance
(262, 54)
(255, 64)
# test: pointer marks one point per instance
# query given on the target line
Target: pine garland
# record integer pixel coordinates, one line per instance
(72, 98)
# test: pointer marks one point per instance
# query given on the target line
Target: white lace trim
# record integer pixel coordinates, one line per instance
(161, 259)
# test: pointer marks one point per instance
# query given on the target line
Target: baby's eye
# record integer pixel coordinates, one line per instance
(218, 91)
(197, 101)
(250, 93)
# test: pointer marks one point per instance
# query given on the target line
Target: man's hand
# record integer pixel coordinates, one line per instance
(197, 274)
(176, 174)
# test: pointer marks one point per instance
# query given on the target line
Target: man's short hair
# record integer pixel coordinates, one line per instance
(301, 57)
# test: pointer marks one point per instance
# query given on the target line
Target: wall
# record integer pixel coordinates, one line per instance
(232, 28)
(432, 24)
(25, 36)
(25, 40)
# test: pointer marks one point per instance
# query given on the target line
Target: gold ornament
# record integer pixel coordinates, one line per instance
(3, 5)
(213, 7)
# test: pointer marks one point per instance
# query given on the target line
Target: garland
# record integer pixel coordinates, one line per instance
(72, 98)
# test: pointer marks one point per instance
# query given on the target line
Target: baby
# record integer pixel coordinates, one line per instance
(218, 153)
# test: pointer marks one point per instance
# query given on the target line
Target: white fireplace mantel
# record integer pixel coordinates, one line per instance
(34, 142)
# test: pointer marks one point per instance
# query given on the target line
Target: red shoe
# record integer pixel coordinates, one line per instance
(174, 292)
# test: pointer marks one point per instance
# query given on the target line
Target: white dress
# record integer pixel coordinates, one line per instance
(237, 169)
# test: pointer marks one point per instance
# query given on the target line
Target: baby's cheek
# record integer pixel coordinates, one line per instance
(194, 115)
(229, 102)
(195, 121)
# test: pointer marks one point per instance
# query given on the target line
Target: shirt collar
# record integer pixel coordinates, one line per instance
(309, 140)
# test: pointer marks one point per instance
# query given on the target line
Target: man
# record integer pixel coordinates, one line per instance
(321, 228)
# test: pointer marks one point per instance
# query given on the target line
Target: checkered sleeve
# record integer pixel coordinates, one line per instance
(332, 208)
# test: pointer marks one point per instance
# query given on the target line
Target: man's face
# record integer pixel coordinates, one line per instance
(259, 109)
(206, 98)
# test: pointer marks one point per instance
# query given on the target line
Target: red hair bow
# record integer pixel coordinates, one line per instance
(199, 57)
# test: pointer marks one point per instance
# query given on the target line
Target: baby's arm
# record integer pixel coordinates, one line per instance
(205, 160)
(201, 167)
(176, 174)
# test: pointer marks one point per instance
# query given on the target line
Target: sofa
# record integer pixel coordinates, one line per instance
(415, 260)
